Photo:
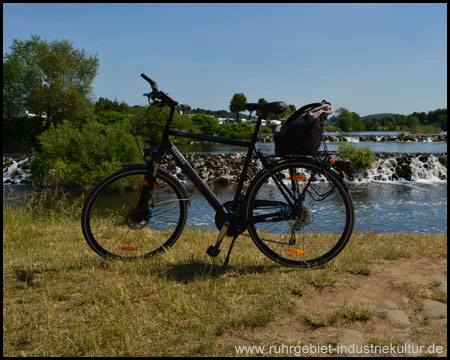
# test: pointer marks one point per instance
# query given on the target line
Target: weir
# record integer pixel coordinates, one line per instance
(225, 168)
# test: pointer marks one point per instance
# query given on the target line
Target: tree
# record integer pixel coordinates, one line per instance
(20, 75)
(183, 108)
(413, 122)
(51, 79)
(290, 110)
(344, 119)
(237, 104)
(207, 124)
(357, 123)
(103, 104)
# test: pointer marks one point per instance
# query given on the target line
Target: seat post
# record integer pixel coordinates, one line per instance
(257, 126)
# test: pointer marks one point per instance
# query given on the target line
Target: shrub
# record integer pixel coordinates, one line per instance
(332, 128)
(265, 130)
(236, 131)
(360, 157)
(74, 157)
(403, 137)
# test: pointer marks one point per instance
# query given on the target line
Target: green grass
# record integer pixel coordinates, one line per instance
(61, 299)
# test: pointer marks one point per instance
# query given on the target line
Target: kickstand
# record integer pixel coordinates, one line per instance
(227, 259)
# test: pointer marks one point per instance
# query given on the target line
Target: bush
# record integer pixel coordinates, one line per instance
(404, 137)
(360, 157)
(236, 131)
(332, 128)
(74, 157)
(265, 130)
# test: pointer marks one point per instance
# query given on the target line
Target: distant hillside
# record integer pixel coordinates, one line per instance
(376, 116)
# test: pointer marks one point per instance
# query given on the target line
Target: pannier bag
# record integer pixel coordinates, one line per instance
(301, 133)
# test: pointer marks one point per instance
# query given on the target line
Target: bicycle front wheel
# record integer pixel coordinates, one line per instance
(310, 230)
(109, 226)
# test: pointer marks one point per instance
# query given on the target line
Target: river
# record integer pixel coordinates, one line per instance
(418, 206)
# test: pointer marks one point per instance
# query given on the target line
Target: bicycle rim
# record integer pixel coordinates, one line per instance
(106, 221)
(311, 232)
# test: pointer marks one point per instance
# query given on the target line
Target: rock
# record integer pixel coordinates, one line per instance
(416, 278)
(443, 287)
(397, 318)
(7, 162)
(434, 309)
(351, 337)
(388, 304)
(225, 179)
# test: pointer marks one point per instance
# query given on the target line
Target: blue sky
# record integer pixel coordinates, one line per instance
(368, 58)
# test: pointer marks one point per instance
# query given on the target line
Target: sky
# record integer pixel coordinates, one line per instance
(368, 58)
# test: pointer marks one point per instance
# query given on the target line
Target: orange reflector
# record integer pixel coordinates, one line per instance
(333, 159)
(297, 252)
(128, 248)
(297, 177)
(145, 183)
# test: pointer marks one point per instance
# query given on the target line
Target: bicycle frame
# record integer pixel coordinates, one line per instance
(167, 145)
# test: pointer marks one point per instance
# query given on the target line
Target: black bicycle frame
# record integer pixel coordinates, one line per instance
(166, 144)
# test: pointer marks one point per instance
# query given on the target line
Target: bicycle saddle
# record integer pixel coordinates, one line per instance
(277, 107)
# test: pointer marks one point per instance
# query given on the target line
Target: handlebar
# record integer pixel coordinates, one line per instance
(152, 83)
(156, 94)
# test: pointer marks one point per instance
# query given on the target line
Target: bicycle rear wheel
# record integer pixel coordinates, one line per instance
(111, 230)
(310, 231)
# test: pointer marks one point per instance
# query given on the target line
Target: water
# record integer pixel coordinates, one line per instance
(376, 147)
(378, 133)
(418, 206)
(379, 207)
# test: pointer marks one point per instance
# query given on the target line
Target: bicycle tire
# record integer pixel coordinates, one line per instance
(105, 219)
(313, 240)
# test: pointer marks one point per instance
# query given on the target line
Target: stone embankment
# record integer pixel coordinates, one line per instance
(373, 138)
(226, 168)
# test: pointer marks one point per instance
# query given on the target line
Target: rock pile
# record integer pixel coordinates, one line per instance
(16, 170)
(372, 138)
(226, 168)
(215, 168)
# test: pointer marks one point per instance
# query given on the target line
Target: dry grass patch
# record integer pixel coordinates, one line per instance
(175, 304)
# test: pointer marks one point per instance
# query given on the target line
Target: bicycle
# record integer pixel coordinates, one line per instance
(297, 209)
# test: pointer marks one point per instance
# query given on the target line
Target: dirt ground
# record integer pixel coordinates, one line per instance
(406, 296)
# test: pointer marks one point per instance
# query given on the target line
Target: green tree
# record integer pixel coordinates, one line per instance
(207, 124)
(371, 124)
(21, 75)
(290, 110)
(110, 117)
(47, 78)
(413, 122)
(344, 119)
(237, 104)
(104, 104)
(357, 123)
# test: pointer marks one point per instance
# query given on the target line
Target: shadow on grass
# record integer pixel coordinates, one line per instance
(198, 270)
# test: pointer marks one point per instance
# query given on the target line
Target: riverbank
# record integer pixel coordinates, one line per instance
(381, 290)
(226, 168)
(372, 138)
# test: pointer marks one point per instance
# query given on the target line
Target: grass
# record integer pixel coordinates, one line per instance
(61, 299)
(346, 313)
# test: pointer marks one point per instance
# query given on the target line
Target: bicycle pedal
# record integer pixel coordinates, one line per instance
(212, 251)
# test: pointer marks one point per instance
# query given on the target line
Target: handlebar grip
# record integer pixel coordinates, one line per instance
(152, 83)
